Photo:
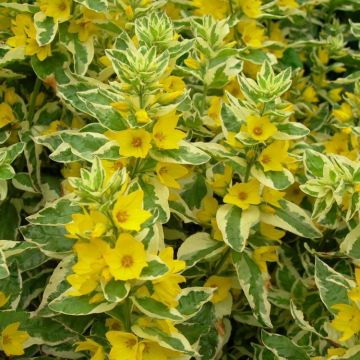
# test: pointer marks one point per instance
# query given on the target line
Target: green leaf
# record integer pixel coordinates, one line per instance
(278, 180)
(9, 221)
(12, 152)
(57, 213)
(293, 218)
(199, 247)
(191, 300)
(282, 347)
(46, 28)
(98, 103)
(83, 52)
(333, 286)
(252, 283)
(154, 269)
(174, 341)
(186, 154)
(156, 309)
(6, 172)
(235, 224)
(51, 240)
(52, 68)
(79, 305)
(115, 291)
(351, 243)
(194, 191)
(315, 162)
(4, 271)
(291, 131)
(155, 197)
(96, 5)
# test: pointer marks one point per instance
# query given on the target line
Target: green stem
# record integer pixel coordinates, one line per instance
(127, 314)
(248, 168)
(236, 31)
(135, 168)
(33, 100)
(203, 103)
(222, 260)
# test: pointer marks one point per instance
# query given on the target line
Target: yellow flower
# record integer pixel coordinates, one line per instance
(10, 96)
(32, 48)
(347, 320)
(127, 259)
(276, 34)
(60, 10)
(323, 56)
(291, 4)
(222, 286)
(111, 166)
(166, 289)
(220, 182)
(71, 170)
(150, 350)
(335, 351)
(96, 350)
(260, 128)
(216, 8)
(354, 294)
(168, 174)
(84, 27)
(142, 116)
(214, 110)
(132, 142)
(210, 206)
(90, 267)
(275, 156)
(174, 87)
(339, 144)
(12, 340)
(294, 194)
(172, 84)
(272, 197)
(124, 346)
(334, 94)
(343, 113)
(264, 254)
(252, 35)
(167, 255)
(192, 63)
(251, 8)
(25, 35)
(6, 115)
(128, 212)
(244, 194)
(309, 95)
(92, 224)
(3, 299)
(164, 133)
(271, 233)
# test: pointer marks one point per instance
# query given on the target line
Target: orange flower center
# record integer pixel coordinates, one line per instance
(6, 339)
(242, 195)
(160, 136)
(62, 6)
(122, 216)
(258, 130)
(130, 343)
(136, 142)
(127, 261)
(265, 159)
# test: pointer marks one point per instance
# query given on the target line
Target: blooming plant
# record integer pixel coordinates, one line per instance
(180, 179)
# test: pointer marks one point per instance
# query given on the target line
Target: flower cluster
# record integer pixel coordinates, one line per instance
(179, 179)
